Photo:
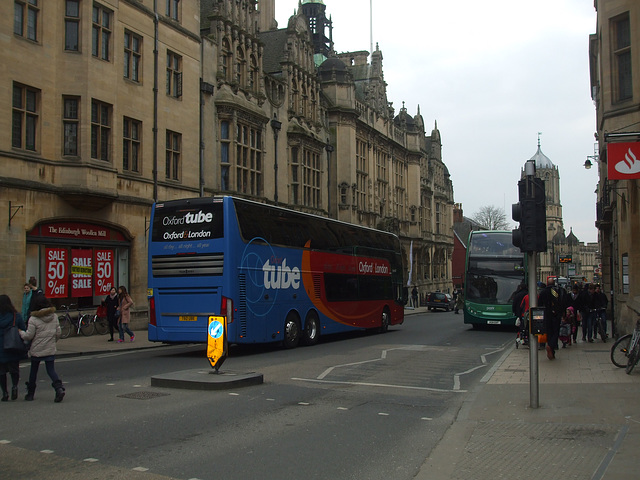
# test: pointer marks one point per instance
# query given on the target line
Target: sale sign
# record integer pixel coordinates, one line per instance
(56, 264)
(81, 272)
(104, 271)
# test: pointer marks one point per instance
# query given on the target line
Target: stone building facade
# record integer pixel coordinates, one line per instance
(120, 105)
(615, 90)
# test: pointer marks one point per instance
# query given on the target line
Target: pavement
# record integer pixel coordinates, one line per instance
(581, 422)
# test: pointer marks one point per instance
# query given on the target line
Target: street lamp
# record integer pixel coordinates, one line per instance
(276, 125)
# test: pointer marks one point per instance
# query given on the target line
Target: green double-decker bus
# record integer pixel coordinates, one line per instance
(493, 271)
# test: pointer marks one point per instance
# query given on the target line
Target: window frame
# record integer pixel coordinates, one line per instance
(26, 29)
(131, 145)
(174, 75)
(101, 130)
(68, 120)
(132, 62)
(101, 32)
(622, 58)
(173, 156)
(72, 20)
(25, 135)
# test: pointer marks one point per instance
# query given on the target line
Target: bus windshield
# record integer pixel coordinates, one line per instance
(494, 270)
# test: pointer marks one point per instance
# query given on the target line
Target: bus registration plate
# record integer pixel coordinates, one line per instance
(188, 318)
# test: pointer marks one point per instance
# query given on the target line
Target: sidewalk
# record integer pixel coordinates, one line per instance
(587, 425)
(77, 345)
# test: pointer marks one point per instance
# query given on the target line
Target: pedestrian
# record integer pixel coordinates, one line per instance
(27, 292)
(552, 299)
(459, 301)
(600, 302)
(124, 314)
(584, 305)
(573, 301)
(111, 303)
(35, 292)
(566, 326)
(9, 359)
(414, 297)
(43, 331)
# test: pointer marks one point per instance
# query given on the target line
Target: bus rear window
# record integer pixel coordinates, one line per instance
(198, 221)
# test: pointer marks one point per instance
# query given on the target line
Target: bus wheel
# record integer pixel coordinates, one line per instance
(384, 324)
(311, 332)
(291, 331)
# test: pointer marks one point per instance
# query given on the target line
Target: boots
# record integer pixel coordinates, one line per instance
(31, 388)
(57, 385)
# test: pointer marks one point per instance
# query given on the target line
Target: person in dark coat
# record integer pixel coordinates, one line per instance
(554, 302)
(9, 360)
(112, 302)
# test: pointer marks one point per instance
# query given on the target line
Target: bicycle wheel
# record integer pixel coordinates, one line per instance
(633, 357)
(620, 350)
(87, 327)
(65, 326)
(102, 325)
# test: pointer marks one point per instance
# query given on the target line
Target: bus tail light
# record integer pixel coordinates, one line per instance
(227, 309)
(152, 311)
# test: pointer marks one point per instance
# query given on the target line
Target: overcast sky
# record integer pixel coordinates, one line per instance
(492, 74)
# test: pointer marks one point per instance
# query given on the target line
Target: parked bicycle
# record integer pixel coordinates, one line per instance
(80, 323)
(633, 354)
(100, 323)
(620, 351)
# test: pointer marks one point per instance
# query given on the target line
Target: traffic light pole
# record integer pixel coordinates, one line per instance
(534, 391)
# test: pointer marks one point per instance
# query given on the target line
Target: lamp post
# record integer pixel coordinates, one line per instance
(329, 148)
(276, 126)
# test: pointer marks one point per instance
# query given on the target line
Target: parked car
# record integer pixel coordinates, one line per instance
(439, 300)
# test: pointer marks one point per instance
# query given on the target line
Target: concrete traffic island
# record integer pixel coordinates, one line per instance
(206, 379)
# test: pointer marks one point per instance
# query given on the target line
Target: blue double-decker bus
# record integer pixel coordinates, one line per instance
(494, 269)
(277, 275)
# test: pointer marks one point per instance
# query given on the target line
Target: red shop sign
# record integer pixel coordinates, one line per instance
(56, 264)
(81, 272)
(623, 160)
(104, 271)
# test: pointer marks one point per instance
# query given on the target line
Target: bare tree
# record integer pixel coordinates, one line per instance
(491, 218)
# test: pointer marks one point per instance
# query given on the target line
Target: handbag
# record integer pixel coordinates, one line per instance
(12, 339)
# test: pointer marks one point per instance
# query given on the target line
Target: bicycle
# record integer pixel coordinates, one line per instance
(100, 323)
(620, 351)
(634, 348)
(81, 324)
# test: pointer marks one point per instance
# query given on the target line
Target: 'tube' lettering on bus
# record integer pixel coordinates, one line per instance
(276, 277)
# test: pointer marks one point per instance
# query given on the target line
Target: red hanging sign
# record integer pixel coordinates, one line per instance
(81, 272)
(56, 263)
(104, 271)
(623, 160)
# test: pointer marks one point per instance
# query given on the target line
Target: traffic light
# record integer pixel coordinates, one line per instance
(530, 211)
(524, 212)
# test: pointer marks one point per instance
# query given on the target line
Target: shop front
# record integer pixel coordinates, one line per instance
(77, 262)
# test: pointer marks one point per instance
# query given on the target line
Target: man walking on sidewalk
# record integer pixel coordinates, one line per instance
(553, 300)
